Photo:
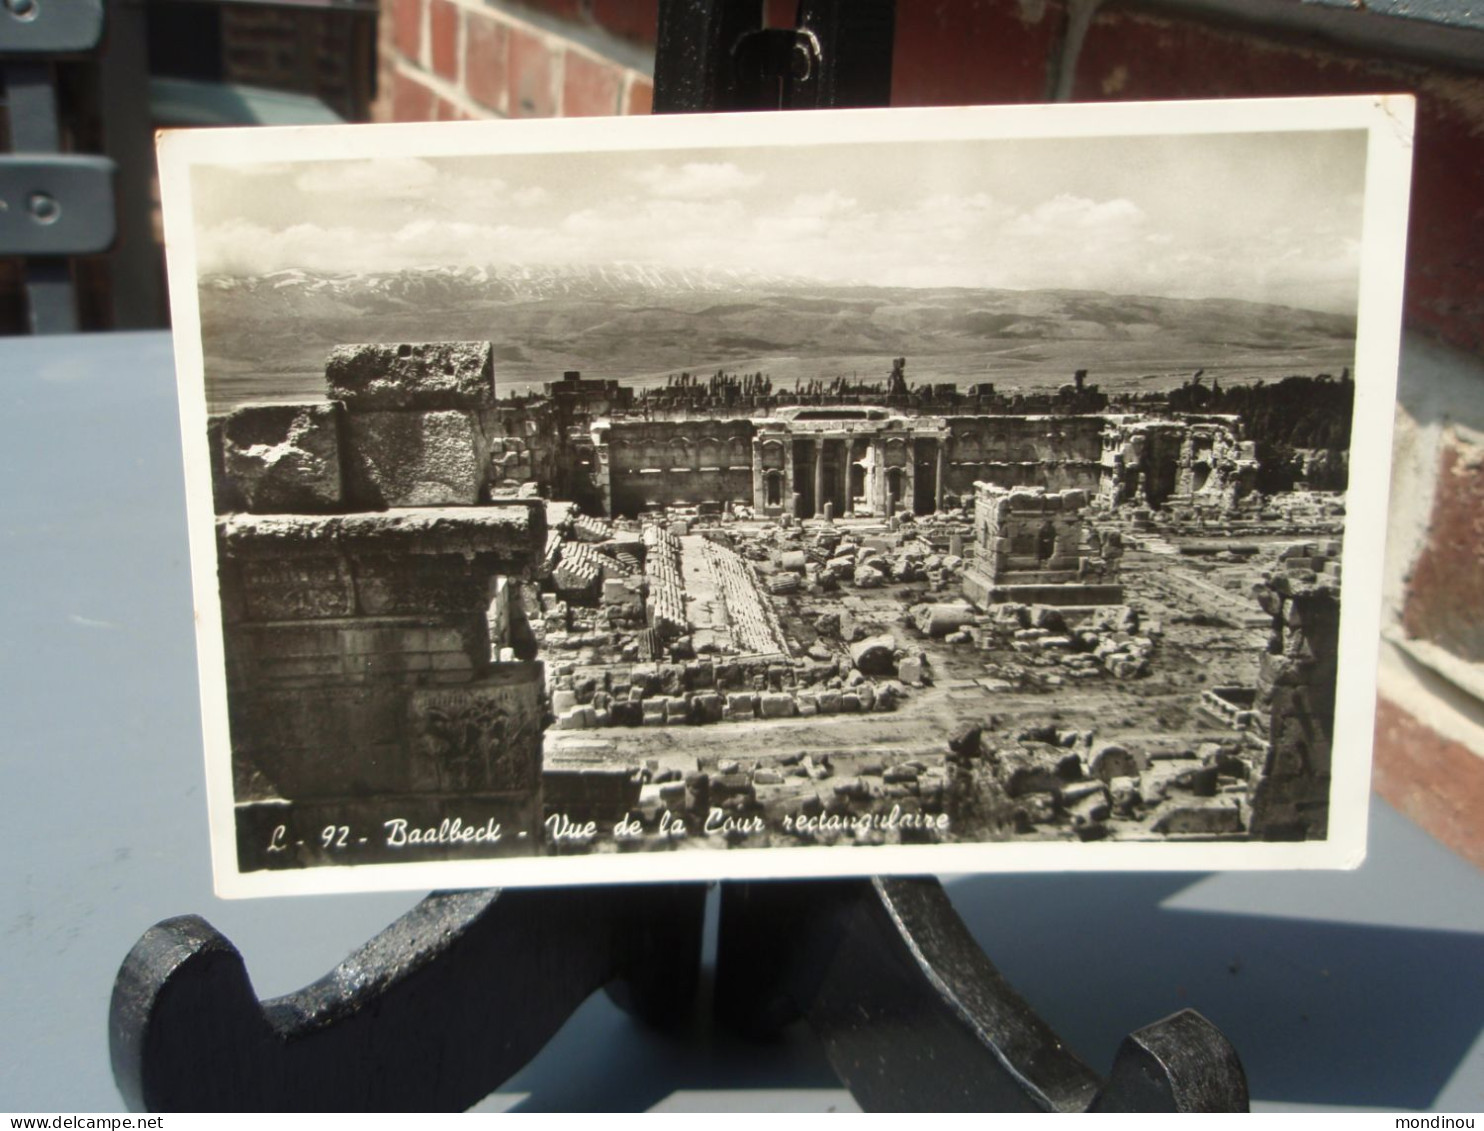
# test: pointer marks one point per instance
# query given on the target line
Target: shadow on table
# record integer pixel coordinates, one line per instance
(1321, 1013)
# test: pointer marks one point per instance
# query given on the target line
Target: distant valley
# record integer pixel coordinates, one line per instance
(266, 337)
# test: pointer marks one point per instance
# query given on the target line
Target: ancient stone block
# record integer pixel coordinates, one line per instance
(391, 584)
(1090, 808)
(672, 678)
(1047, 617)
(413, 459)
(874, 655)
(776, 705)
(626, 713)
(505, 539)
(225, 495)
(430, 375)
(708, 707)
(888, 695)
(1125, 796)
(725, 787)
(1026, 773)
(1211, 818)
(740, 705)
(1199, 781)
(1074, 792)
(940, 620)
(479, 738)
(583, 793)
(284, 459)
(1110, 760)
(325, 741)
(909, 670)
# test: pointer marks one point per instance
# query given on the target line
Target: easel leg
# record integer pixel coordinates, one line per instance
(914, 1017)
(432, 1014)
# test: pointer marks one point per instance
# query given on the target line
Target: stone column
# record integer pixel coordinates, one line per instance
(849, 476)
(789, 495)
(876, 478)
(942, 469)
(1296, 701)
(819, 475)
(603, 471)
(759, 480)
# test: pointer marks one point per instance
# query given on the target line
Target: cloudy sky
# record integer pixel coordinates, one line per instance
(1264, 217)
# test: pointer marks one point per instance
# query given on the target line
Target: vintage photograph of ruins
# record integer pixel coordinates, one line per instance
(861, 483)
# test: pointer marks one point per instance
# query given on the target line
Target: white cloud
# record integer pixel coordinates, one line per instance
(243, 247)
(695, 180)
(378, 178)
(1065, 211)
(831, 203)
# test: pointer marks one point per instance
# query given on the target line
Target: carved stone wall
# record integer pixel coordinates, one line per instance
(675, 462)
(1195, 461)
(365, 676)
(1296, 695)
(1026, 530)
(1029, 546)
(383, 699)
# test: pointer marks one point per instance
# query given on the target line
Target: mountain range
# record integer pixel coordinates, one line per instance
(266, 336)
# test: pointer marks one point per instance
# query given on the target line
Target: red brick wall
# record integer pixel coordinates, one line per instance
(460, 59)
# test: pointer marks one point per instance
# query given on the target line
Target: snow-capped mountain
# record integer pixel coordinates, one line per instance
(440, 286)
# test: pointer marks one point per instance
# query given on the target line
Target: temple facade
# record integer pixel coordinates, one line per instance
(874, 461)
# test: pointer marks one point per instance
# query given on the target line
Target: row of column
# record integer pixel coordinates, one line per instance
(877, 485)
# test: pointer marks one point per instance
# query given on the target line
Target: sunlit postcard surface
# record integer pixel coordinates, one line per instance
(788, 494)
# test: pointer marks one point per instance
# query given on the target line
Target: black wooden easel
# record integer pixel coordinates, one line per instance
(453, 998)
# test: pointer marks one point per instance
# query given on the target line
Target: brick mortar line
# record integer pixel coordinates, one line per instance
(558, 63)
(461, 48)
(1421, 774)
(425, 35)
(551, 37)
(444, 89)
(558, 47)
(1406, 691)
(626, 96)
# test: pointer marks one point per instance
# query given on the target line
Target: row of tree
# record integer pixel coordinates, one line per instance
(1311, 413)
(1300, 425)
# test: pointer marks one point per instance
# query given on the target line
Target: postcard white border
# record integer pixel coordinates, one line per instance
(1389, 121)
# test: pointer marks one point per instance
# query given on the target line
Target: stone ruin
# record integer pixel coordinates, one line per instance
(1031, 547)
(1196, 462)
(380, 575)
(1295, 697)
(379, 664)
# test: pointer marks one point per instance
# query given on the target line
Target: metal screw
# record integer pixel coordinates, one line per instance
(43, 207)
(23, 9)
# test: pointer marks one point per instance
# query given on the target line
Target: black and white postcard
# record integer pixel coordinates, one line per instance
(788, 494)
